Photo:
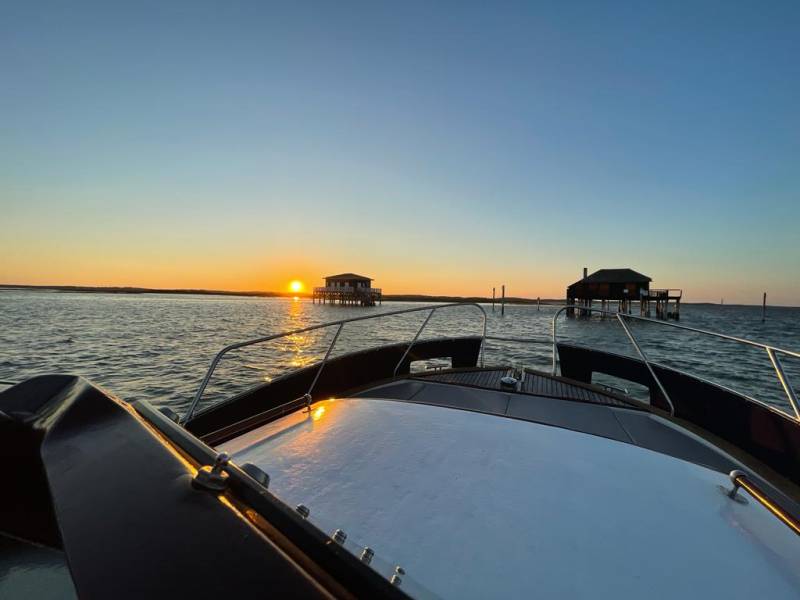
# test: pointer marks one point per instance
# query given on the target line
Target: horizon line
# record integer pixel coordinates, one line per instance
(271, 294)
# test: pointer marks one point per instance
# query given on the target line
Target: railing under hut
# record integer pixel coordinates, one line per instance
(352, 296)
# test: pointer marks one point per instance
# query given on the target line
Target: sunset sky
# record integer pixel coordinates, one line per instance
(441, 148)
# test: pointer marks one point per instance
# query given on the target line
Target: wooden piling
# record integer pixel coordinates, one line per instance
(493, 296)
(764, 308)
(503, 300)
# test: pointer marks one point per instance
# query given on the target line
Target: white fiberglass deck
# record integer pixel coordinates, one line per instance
(478, 506)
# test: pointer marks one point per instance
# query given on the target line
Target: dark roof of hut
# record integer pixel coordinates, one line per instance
(348, 277)
(615, 276)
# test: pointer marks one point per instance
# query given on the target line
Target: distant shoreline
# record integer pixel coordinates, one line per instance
(256, 294)
(193, 292)
(139, 290)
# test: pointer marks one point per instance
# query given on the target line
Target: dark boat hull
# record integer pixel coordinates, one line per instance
(100, 484)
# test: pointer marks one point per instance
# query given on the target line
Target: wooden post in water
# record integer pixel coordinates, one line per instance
(503, 299)
(538, 303)
(493, 289)
(764, 308)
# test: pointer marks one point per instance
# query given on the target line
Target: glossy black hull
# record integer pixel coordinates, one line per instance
(100, 482)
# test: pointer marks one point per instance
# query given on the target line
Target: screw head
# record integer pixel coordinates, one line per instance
(221, 461)
(367, 554)
(339, 536)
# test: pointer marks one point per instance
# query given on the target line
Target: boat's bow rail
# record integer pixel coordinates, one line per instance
(339, 325)
(772, 352)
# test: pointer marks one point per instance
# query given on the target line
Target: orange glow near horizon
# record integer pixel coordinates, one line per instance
(280, 273)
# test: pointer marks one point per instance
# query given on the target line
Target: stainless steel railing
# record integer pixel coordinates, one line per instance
(740, 479)
(341, 323)
(772, 351)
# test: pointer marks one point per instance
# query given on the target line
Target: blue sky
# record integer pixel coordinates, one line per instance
(437, 147)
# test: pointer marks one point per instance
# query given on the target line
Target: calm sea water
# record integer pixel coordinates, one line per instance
(158, 347)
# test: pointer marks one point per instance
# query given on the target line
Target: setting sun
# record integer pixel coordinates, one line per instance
(296, 286)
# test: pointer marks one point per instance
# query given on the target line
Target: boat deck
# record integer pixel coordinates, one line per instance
(476, 506)
(532, 382)
(588, 409)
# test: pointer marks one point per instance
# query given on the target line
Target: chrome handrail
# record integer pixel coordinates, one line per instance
(772, 351)
(782, 377)
(647, 364)
(414, 341)
(196, 400)
(307, 396)
(740, 479)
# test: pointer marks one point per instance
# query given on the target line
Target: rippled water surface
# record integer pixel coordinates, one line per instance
(158, 347)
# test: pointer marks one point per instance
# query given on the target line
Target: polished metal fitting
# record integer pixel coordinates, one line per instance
(303, 510)
(508, 382)
(366, 555)
(339, 536)
(213, 479)
(734, 476)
